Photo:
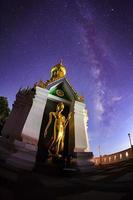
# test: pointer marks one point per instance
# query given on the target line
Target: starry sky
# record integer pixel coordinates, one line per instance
(95, 40)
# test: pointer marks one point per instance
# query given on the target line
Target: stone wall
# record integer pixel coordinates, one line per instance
(115, 157)
(16, 120)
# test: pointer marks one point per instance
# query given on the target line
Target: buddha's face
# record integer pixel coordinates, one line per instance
(60, 107)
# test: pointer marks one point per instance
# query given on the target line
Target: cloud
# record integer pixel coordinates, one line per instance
(99, 106)
(116, 98)
(95, 72)
(99, 109)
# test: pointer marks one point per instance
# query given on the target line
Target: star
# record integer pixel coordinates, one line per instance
(130, 53)
(78, 43)
(66, 5)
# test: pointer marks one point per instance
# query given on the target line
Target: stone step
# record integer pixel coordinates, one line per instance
(20, 163)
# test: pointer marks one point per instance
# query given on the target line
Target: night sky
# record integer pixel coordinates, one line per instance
(95, 40)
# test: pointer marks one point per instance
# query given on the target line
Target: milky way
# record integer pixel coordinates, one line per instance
(107, 93)
(94, 38)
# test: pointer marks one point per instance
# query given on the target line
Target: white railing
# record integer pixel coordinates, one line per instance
(115, 157)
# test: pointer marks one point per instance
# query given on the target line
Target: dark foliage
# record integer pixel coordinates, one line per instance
(4, 111)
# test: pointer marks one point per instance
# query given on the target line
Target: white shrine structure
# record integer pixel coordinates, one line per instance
(24, 129)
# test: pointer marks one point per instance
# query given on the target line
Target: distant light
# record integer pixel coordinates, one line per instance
(120, 156)
(126, 154)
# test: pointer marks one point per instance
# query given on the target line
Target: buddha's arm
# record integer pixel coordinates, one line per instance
(68, 118)
(48, 124)
(66, 123)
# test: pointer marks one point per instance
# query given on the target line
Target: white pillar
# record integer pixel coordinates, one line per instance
(80, 125)
(31, 129)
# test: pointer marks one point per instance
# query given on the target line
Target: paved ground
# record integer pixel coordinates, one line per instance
(105, 182)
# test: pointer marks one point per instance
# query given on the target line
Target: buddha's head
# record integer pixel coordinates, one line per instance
(60, 107)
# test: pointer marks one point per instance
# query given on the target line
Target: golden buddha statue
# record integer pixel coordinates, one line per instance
(60, 123)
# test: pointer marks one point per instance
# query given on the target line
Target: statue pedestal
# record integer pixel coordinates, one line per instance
(82, 161)
(79, 162)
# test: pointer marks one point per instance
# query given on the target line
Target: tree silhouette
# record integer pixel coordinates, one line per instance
(4, 111)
